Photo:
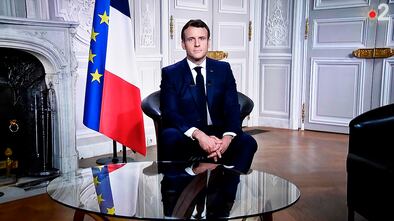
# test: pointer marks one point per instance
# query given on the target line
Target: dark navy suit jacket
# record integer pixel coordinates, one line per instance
(179, 102)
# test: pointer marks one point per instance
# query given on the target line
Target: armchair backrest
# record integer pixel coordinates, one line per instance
(151, 107)
(151, 104)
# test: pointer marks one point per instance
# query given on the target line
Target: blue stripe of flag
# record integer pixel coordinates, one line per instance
(103, 188)
(122, 6)
(94, 90)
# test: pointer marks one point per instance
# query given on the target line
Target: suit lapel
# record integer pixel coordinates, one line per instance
(188, 79)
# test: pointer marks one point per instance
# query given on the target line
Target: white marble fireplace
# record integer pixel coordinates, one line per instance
(51, 42)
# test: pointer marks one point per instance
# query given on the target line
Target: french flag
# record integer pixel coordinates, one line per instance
(112, 101)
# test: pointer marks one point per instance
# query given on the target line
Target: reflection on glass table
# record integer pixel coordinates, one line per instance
(167, 190)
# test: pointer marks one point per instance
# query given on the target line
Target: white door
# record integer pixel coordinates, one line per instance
(339, 86)
(231, 34)
(181, 11)
(228, 21)
(383, 75)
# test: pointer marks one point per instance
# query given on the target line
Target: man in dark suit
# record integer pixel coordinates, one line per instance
(200, 109)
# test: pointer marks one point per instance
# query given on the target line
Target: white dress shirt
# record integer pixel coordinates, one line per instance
(189, 132)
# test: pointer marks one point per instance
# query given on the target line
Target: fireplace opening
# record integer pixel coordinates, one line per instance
(26, 116)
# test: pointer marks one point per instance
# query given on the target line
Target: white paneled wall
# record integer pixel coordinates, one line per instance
(149, 53)
(275, 57)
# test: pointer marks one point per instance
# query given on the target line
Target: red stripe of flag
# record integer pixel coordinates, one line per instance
(121, 116)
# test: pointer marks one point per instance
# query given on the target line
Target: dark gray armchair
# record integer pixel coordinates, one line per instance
(151, 107)
(370, 165)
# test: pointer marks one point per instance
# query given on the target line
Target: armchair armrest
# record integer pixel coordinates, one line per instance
(372, 136)
(151, 106)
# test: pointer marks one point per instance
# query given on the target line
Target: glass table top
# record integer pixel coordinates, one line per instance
(161, 190)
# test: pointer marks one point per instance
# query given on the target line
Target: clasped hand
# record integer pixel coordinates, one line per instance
(214, 146)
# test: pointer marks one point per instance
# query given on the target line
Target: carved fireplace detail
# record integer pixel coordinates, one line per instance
(51, 43)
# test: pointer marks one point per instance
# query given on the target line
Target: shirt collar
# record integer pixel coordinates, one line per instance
(192, 65)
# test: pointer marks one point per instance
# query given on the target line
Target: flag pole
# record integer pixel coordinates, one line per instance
(126, 159)
(114, 158)
(109, 160)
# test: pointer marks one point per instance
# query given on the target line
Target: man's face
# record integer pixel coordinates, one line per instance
(196, 44)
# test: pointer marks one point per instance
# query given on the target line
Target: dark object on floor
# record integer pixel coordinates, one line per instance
(370, 160)
(30, 184)
(255, 131)
(151, 107)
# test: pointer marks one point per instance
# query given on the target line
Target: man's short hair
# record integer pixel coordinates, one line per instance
(198, 23)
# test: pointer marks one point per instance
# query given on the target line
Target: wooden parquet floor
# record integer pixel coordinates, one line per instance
(314, 161)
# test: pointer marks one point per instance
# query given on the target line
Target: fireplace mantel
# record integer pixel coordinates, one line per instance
(51, 42)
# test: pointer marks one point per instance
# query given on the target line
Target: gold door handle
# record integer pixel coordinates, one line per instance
(373, 53)
(217, 55)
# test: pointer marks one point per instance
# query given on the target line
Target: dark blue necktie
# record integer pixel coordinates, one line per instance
(201, 98)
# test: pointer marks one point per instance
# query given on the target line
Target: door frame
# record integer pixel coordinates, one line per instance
(298, 64)
(165, 31)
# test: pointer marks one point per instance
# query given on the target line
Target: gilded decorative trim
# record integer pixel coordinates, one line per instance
(172, 27)
(373, 53)
(217, 55)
